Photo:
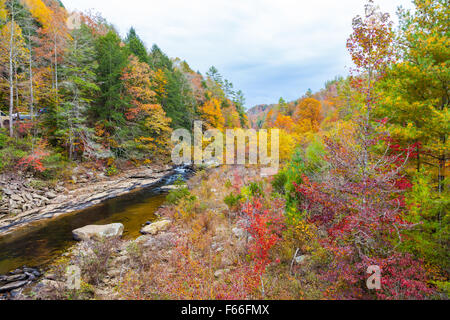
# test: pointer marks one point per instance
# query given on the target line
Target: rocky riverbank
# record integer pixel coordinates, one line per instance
(115, 268)
(23, 203)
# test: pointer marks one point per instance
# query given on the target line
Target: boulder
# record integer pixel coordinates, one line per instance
(159, 242)
(95, 232)
(220, 273)
(212, 163)
(156, 227)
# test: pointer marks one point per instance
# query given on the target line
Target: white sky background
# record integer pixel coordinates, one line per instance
(267, 48)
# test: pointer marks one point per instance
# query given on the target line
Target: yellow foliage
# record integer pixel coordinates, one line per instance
(309, 113)
(212, 114)
(160, 83)
(287, 145)
(3, 12)
(284, 122)
(39, 11)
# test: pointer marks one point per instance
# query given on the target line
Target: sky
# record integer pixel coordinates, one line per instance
(267, 48)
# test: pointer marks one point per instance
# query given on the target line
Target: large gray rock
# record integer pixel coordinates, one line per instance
(95, 232)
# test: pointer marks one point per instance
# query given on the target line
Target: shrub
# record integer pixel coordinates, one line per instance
(181, 192)
(252, 190)
(279, 183)
(94, 259)
(233, 201)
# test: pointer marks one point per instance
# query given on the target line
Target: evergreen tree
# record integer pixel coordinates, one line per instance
(136, 46)
(77, 92)
(177, 100)
(112, 59)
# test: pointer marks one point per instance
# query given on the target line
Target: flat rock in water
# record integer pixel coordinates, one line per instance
(96, 232)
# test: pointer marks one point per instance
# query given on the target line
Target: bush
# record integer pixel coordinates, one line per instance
(279, 183)
(94, 260)
(254, 189)
(181, 192)
(233, 201)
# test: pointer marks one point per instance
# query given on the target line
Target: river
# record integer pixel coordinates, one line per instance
(40, 243)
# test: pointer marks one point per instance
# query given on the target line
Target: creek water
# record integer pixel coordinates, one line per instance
(41, 242)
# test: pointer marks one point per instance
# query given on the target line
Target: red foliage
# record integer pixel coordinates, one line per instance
(402, 277)
(33, 161)
(24, 127)
(265, 227)
(362, 210)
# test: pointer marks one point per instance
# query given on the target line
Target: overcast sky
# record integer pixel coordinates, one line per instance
(267, 48)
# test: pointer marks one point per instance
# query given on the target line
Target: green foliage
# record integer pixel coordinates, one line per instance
(111, 170)
(136, 47)
(279, 183)
(429, 211)
(78, 89)
(56, 164)
(180, 193)
(253, 189)
(112, 59)
(232, 200)
(309, 162)
(12, 150)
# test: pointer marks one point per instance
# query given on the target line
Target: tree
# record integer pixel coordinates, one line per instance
(239, 102)
(174, 92)
(13, 49)
(415, 107)
(360, 201)
(3, 11)
(136, 46)
(309, 114)
(416, 89)
(54, 36)
(146, 119)
(78, 91)
(43, 15)
(212, 114)
(112, 59)
(282, 106)
(284, 122)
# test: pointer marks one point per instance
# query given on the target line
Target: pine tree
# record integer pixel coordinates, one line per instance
(136, 46)
(77, 92)
(112, 59)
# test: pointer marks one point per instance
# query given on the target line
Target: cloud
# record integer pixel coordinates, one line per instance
(267, 48)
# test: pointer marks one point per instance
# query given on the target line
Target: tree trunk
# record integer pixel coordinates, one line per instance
(56, 66)
(31, 83)
(11, 80)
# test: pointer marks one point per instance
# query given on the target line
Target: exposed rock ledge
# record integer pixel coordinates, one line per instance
(86, 196)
